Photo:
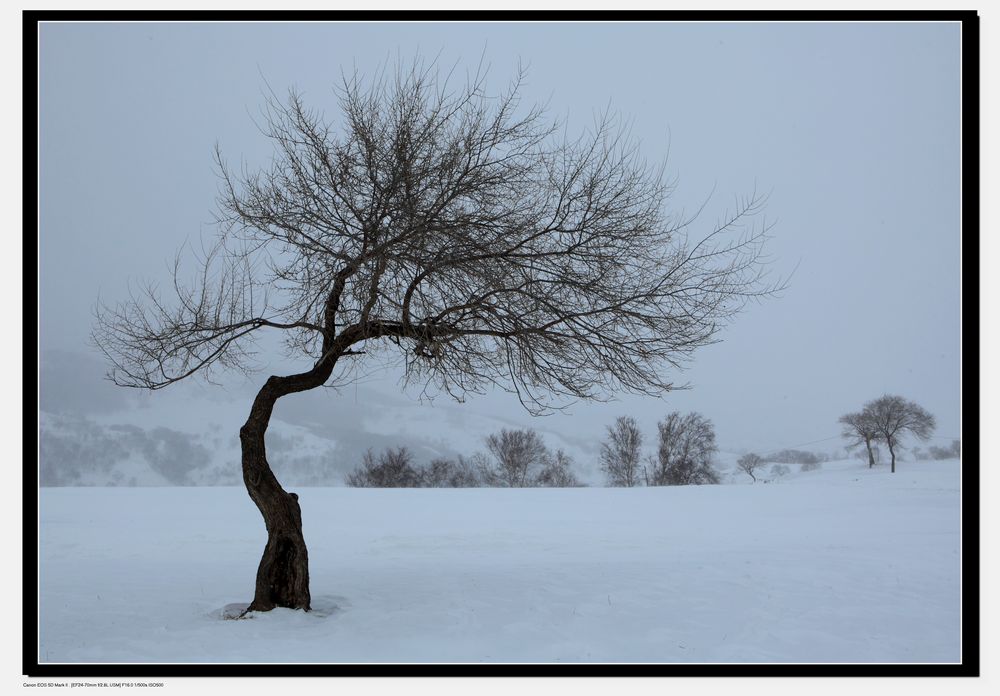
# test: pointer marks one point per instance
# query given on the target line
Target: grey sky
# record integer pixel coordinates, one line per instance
(855, 128)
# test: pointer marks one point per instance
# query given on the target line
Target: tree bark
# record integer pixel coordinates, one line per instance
(892, 454)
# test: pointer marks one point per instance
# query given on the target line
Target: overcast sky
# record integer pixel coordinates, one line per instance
(853, 127)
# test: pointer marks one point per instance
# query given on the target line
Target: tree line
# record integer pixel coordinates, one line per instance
(514, 459)
(520, 458)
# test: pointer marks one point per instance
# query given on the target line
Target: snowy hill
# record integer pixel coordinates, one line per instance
(92, 433)
(840, 564)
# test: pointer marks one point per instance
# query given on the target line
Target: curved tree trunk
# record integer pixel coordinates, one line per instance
(283, 574)
(871, 457)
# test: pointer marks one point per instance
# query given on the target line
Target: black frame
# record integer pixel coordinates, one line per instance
(970, 542)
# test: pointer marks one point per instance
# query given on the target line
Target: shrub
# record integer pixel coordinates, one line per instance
(391, 469)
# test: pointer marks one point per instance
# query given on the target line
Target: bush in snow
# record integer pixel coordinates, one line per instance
(447, 473)
(557, 472)
(392, 468)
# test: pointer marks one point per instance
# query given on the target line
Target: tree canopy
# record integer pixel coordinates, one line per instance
(456, 231)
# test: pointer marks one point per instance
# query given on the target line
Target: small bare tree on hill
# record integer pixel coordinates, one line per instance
(749, 463)
(621, 451)
(455, 230)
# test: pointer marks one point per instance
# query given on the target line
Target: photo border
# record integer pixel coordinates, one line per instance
(970, 482)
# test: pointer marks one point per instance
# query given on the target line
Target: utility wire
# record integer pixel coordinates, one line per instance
(801, 444)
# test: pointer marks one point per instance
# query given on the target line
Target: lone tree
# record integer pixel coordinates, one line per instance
(620, 452)
(749, 463)
(861, 428)
(894, 417)
(456, 230)
(684, 457)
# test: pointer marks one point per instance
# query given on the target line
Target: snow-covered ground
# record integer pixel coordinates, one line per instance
(842, 564)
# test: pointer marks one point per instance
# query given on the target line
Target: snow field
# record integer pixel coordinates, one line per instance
(843, 564)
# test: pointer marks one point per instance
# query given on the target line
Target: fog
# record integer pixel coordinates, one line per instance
(854, 128)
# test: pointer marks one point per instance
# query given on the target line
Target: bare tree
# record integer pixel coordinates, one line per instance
(557, 472)
(749, 463)
(894, 417)
(462, 474)
(860, 428)
(686, 448)
(455, 230)
(393, 468)
(620, 452)
(518, 457)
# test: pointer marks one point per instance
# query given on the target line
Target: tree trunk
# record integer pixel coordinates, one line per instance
(892, 454)
(283, 574)
(871, 457)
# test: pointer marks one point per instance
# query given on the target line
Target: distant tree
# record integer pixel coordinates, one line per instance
(463, 474)
(448, 473)
(649, 470)
(518, 457)
(952, 452)
(435, 474)
(557, 472)
(809, 466)
(393, 468)
(894, 417)
(779, 470)
(749, 463)
(686, 447)
(860, 428)
(620, 453)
